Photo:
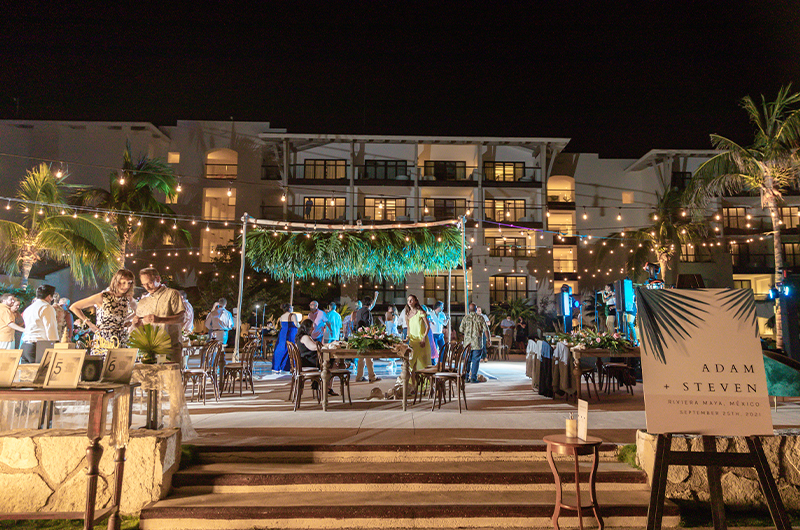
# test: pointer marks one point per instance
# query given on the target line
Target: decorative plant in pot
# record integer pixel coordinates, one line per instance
(151, 342)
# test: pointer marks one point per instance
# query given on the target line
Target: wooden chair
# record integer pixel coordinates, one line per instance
(613, 373)
(454, 374)
(210, 360)
(342, 373)
(242, 370)
(422, 378)
(300, 375)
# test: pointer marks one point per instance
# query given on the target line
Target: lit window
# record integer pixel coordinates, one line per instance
(173, 157)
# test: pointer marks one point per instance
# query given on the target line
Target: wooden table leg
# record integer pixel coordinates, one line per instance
(114, 522)
(592, 488)
(93, 454)
(406, 367)
(578, 491)
(576, 375)
(324, 385)
(557, 478)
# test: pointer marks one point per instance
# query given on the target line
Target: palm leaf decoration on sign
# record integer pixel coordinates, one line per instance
(344, 255)
(666, 313)
(742, 302)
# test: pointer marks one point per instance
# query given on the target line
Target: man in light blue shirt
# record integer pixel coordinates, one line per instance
(333, 328)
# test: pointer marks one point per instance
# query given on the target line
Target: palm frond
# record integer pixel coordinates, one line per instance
(742, 303)
(666, 313)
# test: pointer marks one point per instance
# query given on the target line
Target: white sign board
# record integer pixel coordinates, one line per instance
(702, 365)
(118, 367)
(65, 368)
(9, 360)
(583, 419)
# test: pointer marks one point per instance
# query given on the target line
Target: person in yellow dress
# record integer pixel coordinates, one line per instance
(417, 321)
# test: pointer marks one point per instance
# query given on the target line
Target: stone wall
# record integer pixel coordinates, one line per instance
(740, 486)
(45, 470)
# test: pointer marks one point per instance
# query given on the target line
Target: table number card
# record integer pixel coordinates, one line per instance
(65, 369)
(9, 360)
(118, 367)
(583, 419)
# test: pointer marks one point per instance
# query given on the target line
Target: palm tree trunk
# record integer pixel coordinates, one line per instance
(27, 265)
(124, 249)
(778, 252)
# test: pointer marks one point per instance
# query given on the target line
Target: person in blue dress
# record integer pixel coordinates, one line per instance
(288, 320)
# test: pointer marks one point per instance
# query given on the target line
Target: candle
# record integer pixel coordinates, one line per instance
(572, 427)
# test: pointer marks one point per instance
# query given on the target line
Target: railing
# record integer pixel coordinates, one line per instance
(527, 175)
(510, 251)
(222, 171)
(400, 173)
(560, 196)
(565, 265)
(563, 229)
(373, 213)
(753, 261)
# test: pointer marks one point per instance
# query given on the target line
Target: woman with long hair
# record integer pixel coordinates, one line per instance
(417, 322)
(288, 320)
(115, 308)
(307, 347)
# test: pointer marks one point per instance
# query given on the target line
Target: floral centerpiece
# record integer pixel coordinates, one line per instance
(372, 338)
(586, 339)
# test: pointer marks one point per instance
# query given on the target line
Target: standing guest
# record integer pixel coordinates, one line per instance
(333, 326)
(219, 321)
(253, 320)
(347, 326)
(61, 314)
(402, 323)
(8, 318)
(474, 329)
(508, 331)
(69, 318)
(611, 307)
(363, 319)
(40, 322)
(417, 334)
(484, 339)
(319, 318)
(162, 307)
(114, 308)
(309, 205)
(438, 320)
(188, 318)
(390, 321)
(521, 337)
(288, 322)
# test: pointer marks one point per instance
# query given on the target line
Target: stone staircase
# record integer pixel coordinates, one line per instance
(371, 487)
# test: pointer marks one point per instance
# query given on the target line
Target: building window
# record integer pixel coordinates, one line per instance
(325, 169)
(627, 197)
(173, 157)
(561, 188)
(789, 217)
(735, 218)
(565, 259)
(384, 209)
(507, 288)
(562, 222)
(504, 171)
(742, 284)
(791, 254)
(436, 289)
(389, 292)
(740, 254)
(385, 169)
(444, 208)
(681, 179)
(222, 164)
(324, 208)
(507, 246)
(217, 205)
(505, 209)
(445, 170)
(212, 240)
(695, 254)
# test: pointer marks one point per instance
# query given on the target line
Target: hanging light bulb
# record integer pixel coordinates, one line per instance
(162, 221)
(619, 214)
(683, 213)
(26, 210)
(548, 213)
(585, 216)
(194, 222)
(426, 208)
(655, 217)
(62, 211)
(230, 191)
(95, 215)
(106, 219)
(74, 215)
(208, 229)
(8, 206)
(121, 179)
(174, 225)
(470, 211)
(178, 188)
(139, 222)
(283, 197)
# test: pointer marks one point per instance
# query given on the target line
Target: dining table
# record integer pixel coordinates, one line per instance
(598, 353)
(329, 354)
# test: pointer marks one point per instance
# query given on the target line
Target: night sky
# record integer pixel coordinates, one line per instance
(618, 79)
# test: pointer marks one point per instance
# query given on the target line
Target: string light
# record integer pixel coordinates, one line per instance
(178, 188)
(619, 214)
(230, 190)
(585, 216)
(283, 197)
(8, 206)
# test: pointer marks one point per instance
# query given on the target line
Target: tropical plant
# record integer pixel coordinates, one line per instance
(87, 245)
(25, 295)
(132, 193)
(768, 167)
(372, 338)
(671, 227)
(524, 308)
(151, 341)
(589, 339)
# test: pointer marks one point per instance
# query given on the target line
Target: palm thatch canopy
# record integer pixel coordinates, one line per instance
(379, 254)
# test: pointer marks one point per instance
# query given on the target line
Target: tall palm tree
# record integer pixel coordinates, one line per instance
(671, 227)
(133, 190)
(87, 245)
(769, 167)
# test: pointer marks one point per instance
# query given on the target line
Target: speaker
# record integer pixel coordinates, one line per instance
(789, 321)
(92, 368)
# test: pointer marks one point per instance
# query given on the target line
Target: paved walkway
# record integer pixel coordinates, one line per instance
(502, 410)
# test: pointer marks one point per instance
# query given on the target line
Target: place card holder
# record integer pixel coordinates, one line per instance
(118, 367)
(9, 361)
(65, 368)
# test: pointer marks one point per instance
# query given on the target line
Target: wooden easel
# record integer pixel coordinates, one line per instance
(713, 461)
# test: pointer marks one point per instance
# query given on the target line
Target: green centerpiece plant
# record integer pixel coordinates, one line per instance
(588, 339)
(372, 338)
(151, 342)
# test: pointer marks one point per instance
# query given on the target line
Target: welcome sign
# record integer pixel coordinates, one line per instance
(701, 362)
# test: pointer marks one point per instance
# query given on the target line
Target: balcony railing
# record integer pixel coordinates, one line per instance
(753, 261)
(222, 171)
(556, 196)
(565, 265)
(400, 174)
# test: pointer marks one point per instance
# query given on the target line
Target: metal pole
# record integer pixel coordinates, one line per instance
(245, 218)
(464, 261)
(291, 292)
(449, 289)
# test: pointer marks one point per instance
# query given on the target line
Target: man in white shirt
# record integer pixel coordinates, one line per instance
(319, 318)
(438, 320)
(219, 321)
(402, 324)
(40, 322)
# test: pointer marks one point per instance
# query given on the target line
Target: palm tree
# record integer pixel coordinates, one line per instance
(85, 244)
(769, 167)
(671, 227)
(133, 190)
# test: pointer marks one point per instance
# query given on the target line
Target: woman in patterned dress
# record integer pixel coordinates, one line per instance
(114, 306)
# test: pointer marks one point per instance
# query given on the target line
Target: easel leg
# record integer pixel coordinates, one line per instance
(768, 486)
(655, 511)
(715, 486)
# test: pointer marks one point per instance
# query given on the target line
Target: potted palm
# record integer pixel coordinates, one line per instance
(152, 341)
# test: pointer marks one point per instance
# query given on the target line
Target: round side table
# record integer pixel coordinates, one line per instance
(561, 444)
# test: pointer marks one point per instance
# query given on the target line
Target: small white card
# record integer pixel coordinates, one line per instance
(9, 360)
(65, 369)
(118, 367)
(583, 419)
